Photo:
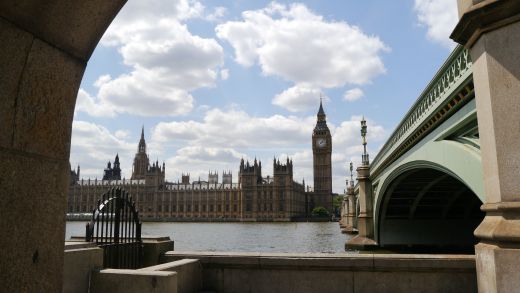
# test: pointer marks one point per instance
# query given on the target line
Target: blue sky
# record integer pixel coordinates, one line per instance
(214, 81)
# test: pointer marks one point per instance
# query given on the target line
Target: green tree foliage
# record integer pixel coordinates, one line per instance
(320, 212)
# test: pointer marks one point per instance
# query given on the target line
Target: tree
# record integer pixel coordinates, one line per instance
(320, 212)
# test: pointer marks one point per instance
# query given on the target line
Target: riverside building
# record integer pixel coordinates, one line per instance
(253, 198)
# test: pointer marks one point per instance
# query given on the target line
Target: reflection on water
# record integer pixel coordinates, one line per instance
(251, 237)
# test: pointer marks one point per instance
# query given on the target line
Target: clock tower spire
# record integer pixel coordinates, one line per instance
(322, 166)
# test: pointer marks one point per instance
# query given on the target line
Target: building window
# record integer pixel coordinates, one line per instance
(211, 208)
(227, 208)
(196, 207)
(188, 208)
(235, 208)
(181, 208)
(203, 207)
(174, 208)
(219, 208)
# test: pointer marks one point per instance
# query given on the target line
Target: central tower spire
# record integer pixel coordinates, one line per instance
(322, 153)
(141, 161)
(142, 143)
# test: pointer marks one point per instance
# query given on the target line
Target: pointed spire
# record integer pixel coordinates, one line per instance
(320, 111)
(141, 148)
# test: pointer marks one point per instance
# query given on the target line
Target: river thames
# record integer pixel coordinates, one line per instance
(246, 237)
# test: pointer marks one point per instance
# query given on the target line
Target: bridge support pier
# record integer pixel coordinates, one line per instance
(350, 214)
(491, 31)
(365, 225)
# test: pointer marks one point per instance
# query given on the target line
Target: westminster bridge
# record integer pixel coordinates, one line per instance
(425, 185)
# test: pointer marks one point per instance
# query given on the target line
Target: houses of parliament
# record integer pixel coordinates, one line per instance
(253, 198)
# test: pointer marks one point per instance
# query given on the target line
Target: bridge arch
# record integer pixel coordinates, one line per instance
(422, 203)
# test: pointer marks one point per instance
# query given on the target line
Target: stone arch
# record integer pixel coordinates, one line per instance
(423, 204)
(45, 49)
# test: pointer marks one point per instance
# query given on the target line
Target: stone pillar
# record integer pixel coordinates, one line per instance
(352, 210)
(364, 239)
(350, 213)
(343, 213)
(491, 31)
(44, 50)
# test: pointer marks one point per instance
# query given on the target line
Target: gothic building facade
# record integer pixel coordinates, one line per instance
(254, 198)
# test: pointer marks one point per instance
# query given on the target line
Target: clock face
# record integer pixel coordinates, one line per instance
(321, 142)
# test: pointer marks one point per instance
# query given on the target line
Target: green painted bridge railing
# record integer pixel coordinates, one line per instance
(443, 92)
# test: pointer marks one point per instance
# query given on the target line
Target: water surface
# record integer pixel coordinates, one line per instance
(247, 237)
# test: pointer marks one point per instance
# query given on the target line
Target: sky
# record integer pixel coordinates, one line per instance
(214, 81)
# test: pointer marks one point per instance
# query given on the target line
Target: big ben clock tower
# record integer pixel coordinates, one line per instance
(321, 154)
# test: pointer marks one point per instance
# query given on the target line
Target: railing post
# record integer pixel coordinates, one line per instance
(88, 235)
(117, 215)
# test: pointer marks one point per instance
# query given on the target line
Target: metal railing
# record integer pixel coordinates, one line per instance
(454, 72)
(116, 228)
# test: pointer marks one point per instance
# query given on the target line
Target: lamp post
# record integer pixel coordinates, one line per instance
(364, 156)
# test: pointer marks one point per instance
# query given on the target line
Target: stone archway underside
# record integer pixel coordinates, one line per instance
(427, 207)
(44, 48)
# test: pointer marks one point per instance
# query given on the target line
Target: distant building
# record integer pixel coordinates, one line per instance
(112, 173)
(74, 176)
(253, 198)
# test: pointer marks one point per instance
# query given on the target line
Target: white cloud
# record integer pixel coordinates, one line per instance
(353, 94)
(233, 134)
(298, 98)
(440, 18)
(224, 74)
(198, 160)
(167, 62)
(206, 145)
(218, 14)
(121, 134)
(93, 145)
(294, 43)
(103, 79)
(235, 128)
(91, 105)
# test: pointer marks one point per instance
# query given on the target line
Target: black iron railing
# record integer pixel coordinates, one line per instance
(116, 228)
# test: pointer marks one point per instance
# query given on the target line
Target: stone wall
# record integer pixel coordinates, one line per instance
(261, 272)
(80, 260)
